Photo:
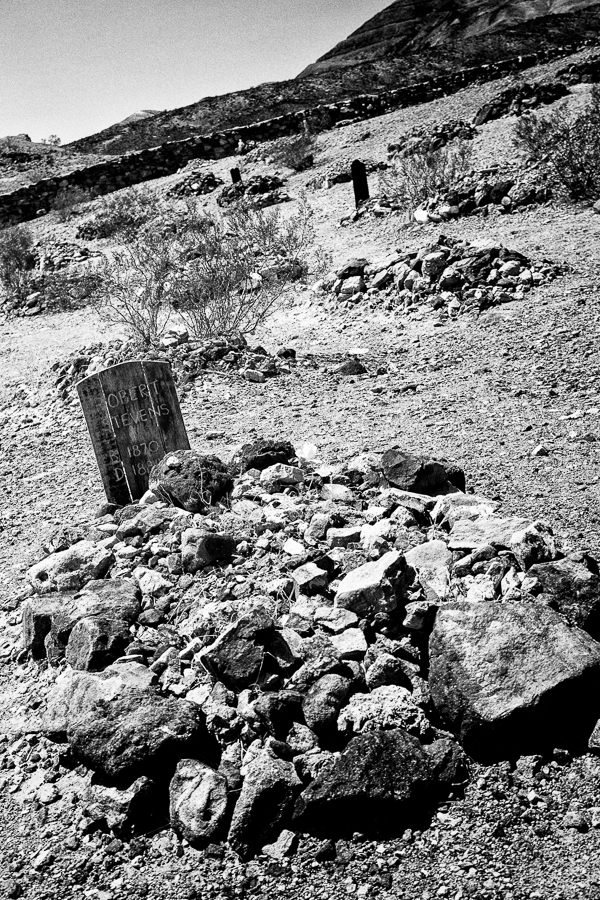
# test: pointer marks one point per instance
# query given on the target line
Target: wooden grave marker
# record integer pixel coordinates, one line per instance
(359, 182)
(236, 176)
(134, 419)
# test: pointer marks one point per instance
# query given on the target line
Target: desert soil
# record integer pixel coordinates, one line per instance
(483, 392)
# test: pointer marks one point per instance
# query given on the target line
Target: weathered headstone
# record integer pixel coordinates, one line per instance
(134, 419)
(236, 176)
(359, 182)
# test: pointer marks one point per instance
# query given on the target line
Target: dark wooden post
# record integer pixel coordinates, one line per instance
(133, 416)
(359, 182)
(236, 176)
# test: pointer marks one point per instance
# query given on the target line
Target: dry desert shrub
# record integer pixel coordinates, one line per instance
(69, 202)
(121, 214)
(568, 148)
(220, 276)
(417, 176)
(16, 261)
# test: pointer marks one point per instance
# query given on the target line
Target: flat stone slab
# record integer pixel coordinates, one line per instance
(467, 534)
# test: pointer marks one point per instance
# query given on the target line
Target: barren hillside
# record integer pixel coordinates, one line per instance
(206, 699)
(406, 43)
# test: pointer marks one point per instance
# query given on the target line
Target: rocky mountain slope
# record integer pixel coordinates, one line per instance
(407, 42)
(409, 25)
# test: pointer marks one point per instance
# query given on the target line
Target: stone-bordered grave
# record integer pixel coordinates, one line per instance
(134, 419)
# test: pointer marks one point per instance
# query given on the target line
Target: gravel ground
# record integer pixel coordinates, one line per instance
(484, 392)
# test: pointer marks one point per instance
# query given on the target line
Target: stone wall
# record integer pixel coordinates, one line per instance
(34, 200)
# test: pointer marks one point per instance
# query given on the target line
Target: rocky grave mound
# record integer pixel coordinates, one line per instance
(189, 360)
(258, 190)
(59, 275)
(195, 184)
(421, 139)
(478, 194)
(449, 275)
(320, 649)
(485, 193)
(520, 98)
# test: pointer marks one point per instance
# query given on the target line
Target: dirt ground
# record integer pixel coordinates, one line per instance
(483, 392)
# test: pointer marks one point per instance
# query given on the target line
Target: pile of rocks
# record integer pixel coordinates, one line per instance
(450, 275)
(421, 139)
(188, 358)
(259, 191)
(484, 193)
(61, 275)
(295, 647)
(478, 194)
(519, 99)
(196, 183)
(57, 255)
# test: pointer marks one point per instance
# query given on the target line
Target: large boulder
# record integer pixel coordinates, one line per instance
(198, 801)
(270, 787)
(420, 474)
(191, 480)
(70, 569)
(513, 678)
(106, 608)
(381, 784)
(570, 587)
(118, 724)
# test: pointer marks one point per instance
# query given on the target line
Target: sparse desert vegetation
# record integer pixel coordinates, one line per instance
(349, 643)
(568, 146)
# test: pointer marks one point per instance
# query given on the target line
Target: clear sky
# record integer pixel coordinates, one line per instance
(73, 67)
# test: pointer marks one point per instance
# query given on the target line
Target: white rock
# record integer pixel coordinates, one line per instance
(294, 548)
(334, 619)
(351, 643)
(280, 474)
(368, 587)
(70, 569)
(254, 376)
(373, 536)
(151, 582)
(337, 492)
(452, 507)
(390, 706)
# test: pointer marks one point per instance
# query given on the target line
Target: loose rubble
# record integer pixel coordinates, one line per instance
(258, 190)
(313, 648)
(521, 98)
(477, 194)
(195, 183)
(188, 358)
(451, 276)
(61, 276)
(423, 140)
